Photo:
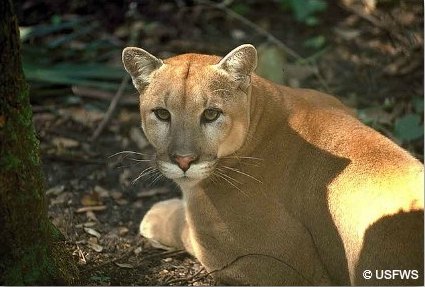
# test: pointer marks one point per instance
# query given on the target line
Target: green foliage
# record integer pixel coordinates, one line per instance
(101, 279)
(418, 105)
(409, 127)
(9, 162)
(241, 8)
(94, 75)
(37, 255)
(305, 11)
(316, 42)
(65, 52)
(55, 232)
(42, 30)
(19, 120)
(271, 61)
(404, 125)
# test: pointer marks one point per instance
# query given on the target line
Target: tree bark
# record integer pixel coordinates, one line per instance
(31, 249)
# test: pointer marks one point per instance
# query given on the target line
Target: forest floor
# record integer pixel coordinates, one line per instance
(372, 61)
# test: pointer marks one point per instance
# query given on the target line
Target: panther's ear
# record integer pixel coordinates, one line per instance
(140, 65)
(240, 63)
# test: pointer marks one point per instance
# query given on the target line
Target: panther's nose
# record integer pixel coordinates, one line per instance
(185, 161)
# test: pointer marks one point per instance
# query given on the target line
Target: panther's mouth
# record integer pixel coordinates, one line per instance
(196, 172)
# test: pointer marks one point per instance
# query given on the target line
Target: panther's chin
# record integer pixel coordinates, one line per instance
(194, 174)
(186, 182)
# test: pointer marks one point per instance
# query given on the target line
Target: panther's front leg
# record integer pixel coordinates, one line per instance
(165, 226)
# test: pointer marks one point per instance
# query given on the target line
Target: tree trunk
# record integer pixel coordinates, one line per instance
(31, 249)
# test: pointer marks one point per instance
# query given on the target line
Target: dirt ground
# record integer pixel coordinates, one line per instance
(93, 198)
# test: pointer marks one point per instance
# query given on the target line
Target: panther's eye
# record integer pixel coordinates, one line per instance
(162, 114)
(211, 115)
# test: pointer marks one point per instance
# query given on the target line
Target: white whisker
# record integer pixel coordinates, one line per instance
(228, 176)
(130, 165)
(146, 171)
(221, 175)
(244, 157)
(156, 178)
(128, 152)
(243, 173)
(140, 160)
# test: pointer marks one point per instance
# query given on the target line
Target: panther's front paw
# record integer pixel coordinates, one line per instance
(155, 224)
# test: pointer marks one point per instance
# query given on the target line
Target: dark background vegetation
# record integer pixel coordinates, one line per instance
(370, 57)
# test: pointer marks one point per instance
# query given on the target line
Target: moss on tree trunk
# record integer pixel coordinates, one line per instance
(31, 252)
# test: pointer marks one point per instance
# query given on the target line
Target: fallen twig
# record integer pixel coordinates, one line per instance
(91, 208)
(185, 280)
(102, 95)
(222, 6)
(376, 22)
(252, 254)
(128, 252)
(254, 26)
(166, 253)
(134, 34)
(111, 108)
(113, 260)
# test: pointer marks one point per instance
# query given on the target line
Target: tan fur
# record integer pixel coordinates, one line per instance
(290, 188)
